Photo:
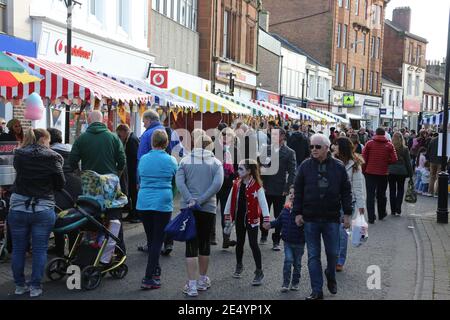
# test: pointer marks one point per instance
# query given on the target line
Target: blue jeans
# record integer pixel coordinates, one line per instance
(330, 235)
(343, 240)
(37, 227)
(293, 254)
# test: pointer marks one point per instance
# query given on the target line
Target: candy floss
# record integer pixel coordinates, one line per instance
(34, 107)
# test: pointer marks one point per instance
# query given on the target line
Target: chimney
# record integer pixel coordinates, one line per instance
(402, 18)
(264, 20)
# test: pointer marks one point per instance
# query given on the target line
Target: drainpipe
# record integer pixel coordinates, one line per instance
(258, 9)
(213, 57)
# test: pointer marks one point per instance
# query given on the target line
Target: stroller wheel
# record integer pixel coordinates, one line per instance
(90, 278)
(120, 272)
(56, 269)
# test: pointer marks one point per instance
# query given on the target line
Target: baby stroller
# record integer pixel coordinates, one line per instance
(97, 249)
(4, 243)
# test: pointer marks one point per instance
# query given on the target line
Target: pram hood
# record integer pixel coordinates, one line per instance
(105, 189)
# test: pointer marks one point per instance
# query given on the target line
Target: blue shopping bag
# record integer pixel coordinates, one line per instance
(182, 227)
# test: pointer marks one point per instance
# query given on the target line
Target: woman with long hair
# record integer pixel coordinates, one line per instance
(344, 150)
(15, 131)
(398, 173)
(246, 203)
(32, 206)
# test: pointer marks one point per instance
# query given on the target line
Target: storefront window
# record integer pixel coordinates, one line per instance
(3, 16)
(122, 14)
(417, 93)
(145, 19)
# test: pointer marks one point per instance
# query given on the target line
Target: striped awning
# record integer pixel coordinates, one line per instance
(71, 82)
(320, 116)
(303, 113)
(285, 114)
(436, 119)
(253, 107)
(159, 96)
(332, 115)
(208, 102)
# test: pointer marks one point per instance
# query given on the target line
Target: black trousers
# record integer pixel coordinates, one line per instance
(242, 227)
(376, 185)
(132, 198)
(277, 202)
(396, 192)
(201, 244)
(222, 197)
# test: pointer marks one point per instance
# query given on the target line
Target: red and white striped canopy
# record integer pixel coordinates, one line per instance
(285, 114)
(70, 82)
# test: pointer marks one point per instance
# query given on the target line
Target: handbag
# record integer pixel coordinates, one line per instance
(182, 228)
(411, 194)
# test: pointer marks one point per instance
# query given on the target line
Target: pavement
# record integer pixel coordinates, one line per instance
(411, 252)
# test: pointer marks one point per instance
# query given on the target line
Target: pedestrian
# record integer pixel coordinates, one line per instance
(245, 206)
(357, 146)
(378, 154)
(261, 137)
(343, 150)
(156, 173)
(131, 145)
(226, 146)
(333, 134)
(322, 188)
(32, 206)
(277, 184)
(101, 151)
(151, 123)
(435, 162)
(294, 244)
(15, 131)
(363, 136)
(417, 144)
(72, 187)
(420, 161)
(199, 178)
(2, 126)
(398, 172)
(300, 144)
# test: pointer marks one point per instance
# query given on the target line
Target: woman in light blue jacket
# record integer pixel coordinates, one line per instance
(156, 173)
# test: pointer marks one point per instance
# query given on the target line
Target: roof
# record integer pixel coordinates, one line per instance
(436, 82)
(429, 89)
(406, 33)
(286, 44)
(389, 82)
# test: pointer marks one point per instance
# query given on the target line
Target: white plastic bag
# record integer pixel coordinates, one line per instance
(360, 231)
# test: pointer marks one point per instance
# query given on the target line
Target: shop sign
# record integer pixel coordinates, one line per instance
(268, 97)
(412, 105)
(349, 100)
(224, 70)
(77, 51)
(372, 103)
(159, 78)
(383, 111)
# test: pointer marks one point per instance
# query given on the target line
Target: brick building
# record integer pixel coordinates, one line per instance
(346, 36)
(404, 61)
(228, 44)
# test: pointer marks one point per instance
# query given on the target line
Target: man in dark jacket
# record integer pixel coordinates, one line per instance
(300, 144)
(131, 144)
(322, 188)
(276, 184)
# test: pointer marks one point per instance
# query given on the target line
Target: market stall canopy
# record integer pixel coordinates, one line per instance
(14, 72)
(354, 116)
(334, 116)
(321, 116)
(285, 114)
(70, 82)
(253, 107)
(304, 114)
(208, 102)
(436, 119)
(159, 96)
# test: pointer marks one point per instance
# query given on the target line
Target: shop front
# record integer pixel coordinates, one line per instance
(244, 80)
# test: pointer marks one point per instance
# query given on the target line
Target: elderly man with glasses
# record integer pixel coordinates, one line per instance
(322, 188)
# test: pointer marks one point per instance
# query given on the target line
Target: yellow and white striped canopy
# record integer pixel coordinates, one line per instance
(208, 102)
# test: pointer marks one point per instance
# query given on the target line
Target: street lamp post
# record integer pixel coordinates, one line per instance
(442, 211)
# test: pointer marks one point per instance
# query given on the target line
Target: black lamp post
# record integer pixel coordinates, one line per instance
(442, 212)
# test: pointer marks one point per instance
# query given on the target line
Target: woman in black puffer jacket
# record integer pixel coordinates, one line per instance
(32, 206)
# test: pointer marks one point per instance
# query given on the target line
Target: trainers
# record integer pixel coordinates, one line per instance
(167, 250)
(21, 290)
(259, 276)
(339, 268)
(143, 248)
(295, 287)
(284, 288)
(203, 284)
(148, 284)
(35, 292)
(276, 247)
(238, 273)
(263, 240)
(190, 290)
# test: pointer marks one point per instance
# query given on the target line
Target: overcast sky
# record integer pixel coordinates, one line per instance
(429, 19)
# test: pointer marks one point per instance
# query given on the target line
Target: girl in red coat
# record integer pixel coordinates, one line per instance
(245, 205)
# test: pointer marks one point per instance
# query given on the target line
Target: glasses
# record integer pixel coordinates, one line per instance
(315, 146)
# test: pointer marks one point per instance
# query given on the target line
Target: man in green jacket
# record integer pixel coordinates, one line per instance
(98, 149)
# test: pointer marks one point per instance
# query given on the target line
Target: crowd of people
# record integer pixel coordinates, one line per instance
(313, 184)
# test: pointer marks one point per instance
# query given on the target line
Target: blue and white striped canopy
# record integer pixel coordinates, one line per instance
(437, 119)
(332, 115)
(306, 116)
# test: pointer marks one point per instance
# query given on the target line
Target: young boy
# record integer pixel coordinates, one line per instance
(294, 244)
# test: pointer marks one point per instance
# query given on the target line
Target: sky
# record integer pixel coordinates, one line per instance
(429, 19)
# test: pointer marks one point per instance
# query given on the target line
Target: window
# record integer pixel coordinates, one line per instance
(372, 47)
(183, 12)
(340, 3)
(347, 4)
(2, 16)
(344, 75)
(312, 86)
(250, 48)
(226, 35)
(319, 92)
(371, 82)
(353, 78)
(339, 27)
(418, 55)
(344, 40)
(409, 90)
(391, 97)
(417, 93)
(122, 14)
(397, 100)
(355, 44)
(366, 9)
(92, 8)
(357, 7)
(362, 80)
(383, 99)
(145, 19)
(336, 75)
(364, 44)
(155, 5)
(378, 49)
(377, 75)
(410, 54)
